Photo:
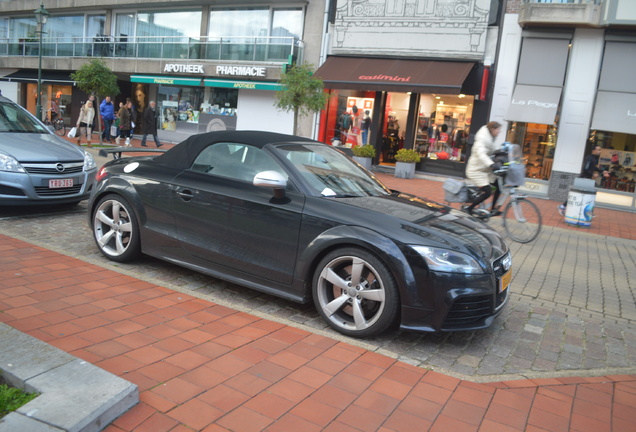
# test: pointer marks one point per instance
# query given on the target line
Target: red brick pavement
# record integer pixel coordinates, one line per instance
(204, 367)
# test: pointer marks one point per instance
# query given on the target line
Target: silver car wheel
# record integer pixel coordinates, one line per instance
(355, 295)
(114, 229)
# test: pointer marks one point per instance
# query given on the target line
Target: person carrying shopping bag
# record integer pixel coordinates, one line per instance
(85, 123)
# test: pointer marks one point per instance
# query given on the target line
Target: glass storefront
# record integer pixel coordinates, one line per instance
(443, 126)
(538, 142)
(439, 132)
(194, 109)
(55, 98)
(618, 156)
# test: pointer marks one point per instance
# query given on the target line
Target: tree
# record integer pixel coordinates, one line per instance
(94, 78)
(301, 92)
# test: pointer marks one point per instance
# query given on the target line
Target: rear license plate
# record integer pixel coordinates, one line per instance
(504, 281)
(60, 183)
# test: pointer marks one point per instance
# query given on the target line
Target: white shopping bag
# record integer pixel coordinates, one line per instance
(72, 133)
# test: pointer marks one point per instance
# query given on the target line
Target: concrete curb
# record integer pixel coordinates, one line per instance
(75, 396)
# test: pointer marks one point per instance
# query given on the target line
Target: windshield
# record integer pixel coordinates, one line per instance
(330, 173)
(14, 119)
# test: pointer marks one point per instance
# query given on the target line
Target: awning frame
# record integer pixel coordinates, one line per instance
(394, 75)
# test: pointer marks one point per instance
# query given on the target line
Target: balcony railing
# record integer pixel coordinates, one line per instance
(255, 49)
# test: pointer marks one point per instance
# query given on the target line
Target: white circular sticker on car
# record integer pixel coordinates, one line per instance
(131, 167)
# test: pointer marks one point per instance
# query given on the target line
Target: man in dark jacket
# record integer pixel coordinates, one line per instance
(590, 171)
(149, 124)
(107, 111)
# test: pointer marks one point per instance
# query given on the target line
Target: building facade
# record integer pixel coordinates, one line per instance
(409, 74)
(208, 66)
(563, 85)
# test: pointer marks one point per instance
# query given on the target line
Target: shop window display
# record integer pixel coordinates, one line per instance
(618, 157)
(197, 109)
(348, 118)
(443, 127)
(538, 142)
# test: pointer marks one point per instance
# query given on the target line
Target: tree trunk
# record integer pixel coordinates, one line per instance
(99, 119)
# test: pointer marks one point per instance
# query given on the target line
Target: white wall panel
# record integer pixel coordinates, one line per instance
(578, 99)
(506, 70)
(256, 111)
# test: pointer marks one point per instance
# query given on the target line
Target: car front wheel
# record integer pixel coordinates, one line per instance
(115, 229)
(355, 293)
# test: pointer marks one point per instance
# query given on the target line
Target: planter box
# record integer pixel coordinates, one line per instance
(442, 167)
(405, 170)
(366, 162)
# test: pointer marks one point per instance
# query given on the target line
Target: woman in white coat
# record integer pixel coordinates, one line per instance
(480, 165)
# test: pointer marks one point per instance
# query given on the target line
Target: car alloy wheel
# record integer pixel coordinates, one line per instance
(115, 229)
(355, 293)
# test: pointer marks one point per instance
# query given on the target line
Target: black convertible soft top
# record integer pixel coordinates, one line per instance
(183, 154)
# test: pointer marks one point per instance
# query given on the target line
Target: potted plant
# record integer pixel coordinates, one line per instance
(405, 163)
(364, 155)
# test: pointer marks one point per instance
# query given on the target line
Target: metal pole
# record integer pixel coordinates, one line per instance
(38, 106)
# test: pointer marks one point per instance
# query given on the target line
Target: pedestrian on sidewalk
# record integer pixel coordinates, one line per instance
(591, 170)
(124, 123)
(149, 124)
(85, 123)
(107, 111)
(133, 117)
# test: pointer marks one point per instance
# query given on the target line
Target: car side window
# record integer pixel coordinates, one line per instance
(236, 161)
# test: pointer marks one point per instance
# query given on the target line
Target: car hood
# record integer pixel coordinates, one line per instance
(416, 221)
(34, 147)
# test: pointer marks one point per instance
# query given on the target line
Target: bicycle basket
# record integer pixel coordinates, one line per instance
(516, 174)
(455, 190)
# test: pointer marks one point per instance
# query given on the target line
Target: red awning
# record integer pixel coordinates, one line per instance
(421, 76)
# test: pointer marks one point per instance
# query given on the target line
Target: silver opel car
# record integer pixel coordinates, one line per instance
(37, 166)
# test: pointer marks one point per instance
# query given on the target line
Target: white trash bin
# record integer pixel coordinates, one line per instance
(581, 201)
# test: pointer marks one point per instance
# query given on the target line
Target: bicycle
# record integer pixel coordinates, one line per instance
(522, 220)
(57, 123)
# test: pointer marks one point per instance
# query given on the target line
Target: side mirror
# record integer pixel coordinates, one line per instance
(272, 179)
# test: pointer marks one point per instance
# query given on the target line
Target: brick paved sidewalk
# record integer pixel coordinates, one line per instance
(201, 366)
(606, 222)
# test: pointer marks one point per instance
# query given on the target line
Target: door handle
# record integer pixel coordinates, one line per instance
(185, 194)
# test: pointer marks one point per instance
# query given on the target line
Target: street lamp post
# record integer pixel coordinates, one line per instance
(41, 15)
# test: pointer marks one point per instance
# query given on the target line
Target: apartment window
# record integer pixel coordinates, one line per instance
(287, 23)
(95, 25)
(245, 34)
(169, 23)
(239, 22)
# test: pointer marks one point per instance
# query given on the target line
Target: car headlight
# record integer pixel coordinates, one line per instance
(11, 164)
(89, 162)
(445, 260)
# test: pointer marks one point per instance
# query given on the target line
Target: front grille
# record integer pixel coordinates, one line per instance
(473, 309)
(62, 168)
(44, 191)
(469, 309)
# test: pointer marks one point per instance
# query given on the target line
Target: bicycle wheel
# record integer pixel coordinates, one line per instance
(522, 220)
(60, 127)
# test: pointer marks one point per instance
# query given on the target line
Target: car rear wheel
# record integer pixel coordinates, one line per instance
(115, 229)
(355, 293)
